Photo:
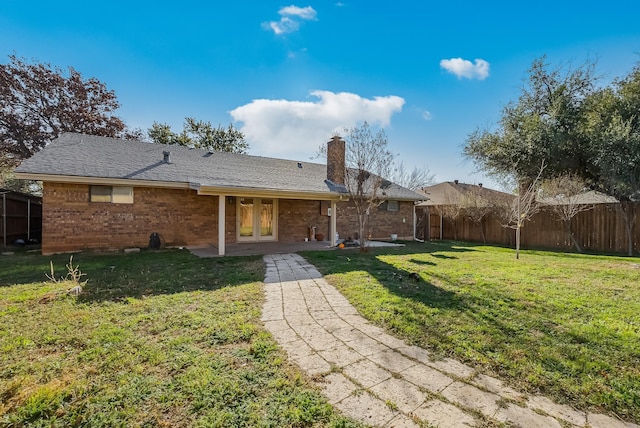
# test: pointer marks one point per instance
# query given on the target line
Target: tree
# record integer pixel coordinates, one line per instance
(562, 195)
(544, 125)
(38, 102)
(563, 120)
(613, 128)
(476, 208)
(414, 180)
(523, 207)
(200, 135)
(368, 161)
(451, 210)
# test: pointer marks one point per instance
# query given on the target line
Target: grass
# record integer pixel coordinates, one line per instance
(563, 325)
(155, 339)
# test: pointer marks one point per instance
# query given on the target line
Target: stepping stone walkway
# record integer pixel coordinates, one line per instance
(375, 378)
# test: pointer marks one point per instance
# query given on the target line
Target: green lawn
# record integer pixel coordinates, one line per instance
(155, 339)
(563, 325)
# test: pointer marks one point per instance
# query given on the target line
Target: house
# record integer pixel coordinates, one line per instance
(448, 199)
(104, 193)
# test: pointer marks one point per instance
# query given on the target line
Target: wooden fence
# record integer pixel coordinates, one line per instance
(601, 229)
(20, 217)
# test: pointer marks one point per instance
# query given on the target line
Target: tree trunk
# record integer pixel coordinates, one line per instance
(484, 238)
(567, 225)
(518, 241)
(626, 210)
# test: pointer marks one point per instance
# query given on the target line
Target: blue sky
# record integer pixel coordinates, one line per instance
(289, 74)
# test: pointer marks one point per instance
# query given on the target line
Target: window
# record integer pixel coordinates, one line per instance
(393, 206)
(111, 194)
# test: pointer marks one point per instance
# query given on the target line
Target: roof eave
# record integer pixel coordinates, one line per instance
(268, 193)
(106, 181)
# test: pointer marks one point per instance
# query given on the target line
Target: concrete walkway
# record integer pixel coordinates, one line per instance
(378, 379)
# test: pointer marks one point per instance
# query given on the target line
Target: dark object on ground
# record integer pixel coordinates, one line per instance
(19, 242)
(154, 241)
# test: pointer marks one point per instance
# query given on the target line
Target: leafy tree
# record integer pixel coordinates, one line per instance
(544, 125)
(613, 128)
(201, 135)
(368, 162)
(38, 102)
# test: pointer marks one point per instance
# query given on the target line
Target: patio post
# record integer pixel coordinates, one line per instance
(222, 205)
(334, 214)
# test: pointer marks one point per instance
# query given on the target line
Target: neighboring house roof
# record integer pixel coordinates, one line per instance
(587, 198)
(91, 159)
(452, 193)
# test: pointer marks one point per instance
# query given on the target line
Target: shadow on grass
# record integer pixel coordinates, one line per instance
(422, 262)
(409, 283)
(116, 277)
(402, 282)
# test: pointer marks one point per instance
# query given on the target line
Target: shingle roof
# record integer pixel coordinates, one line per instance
(587, 198)
(450, 193)
(79, 155)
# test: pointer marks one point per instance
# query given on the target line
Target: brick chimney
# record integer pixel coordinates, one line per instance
(335, 160)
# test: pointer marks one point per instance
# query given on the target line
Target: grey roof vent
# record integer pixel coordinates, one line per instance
(299, 164)
(166, 154)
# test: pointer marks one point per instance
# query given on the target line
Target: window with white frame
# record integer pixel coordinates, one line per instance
(111, 194)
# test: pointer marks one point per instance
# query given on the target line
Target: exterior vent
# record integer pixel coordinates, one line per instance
(299, 164)
(166, 154)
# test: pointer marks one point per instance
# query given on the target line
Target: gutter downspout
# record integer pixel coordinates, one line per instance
(28, 220)
(415, 238)
(4, 219)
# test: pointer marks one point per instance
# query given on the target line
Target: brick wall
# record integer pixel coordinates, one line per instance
(181, 217)
(381, 223)
(71, 222)
(295, 216)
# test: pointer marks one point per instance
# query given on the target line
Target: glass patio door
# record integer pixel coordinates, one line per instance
(257, 219)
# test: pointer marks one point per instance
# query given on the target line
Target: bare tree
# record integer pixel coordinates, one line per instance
(415, 179)
(523, 207)
(451, 210)
(368, 162)
(476, 208)
(562, 195)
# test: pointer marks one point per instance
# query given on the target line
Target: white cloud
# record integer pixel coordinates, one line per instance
(295, 129)
(479, 69)
(307, 13)
(290, 19)
(426, 115)
(285, 25)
